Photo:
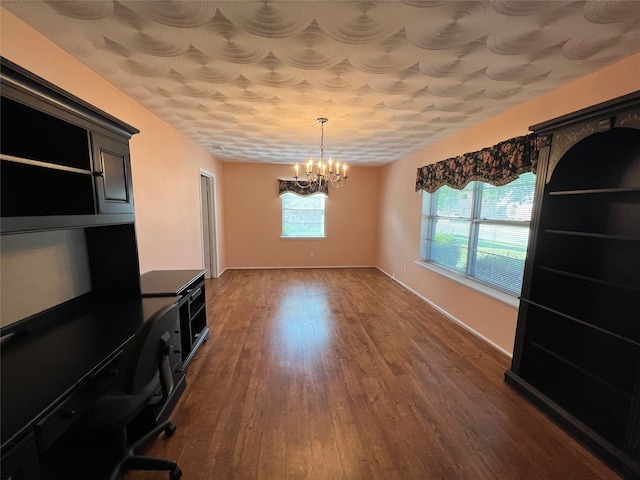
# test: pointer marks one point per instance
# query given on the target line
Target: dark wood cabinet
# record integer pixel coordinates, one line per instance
(189, 285)
(46, 161)
(66, 192)
(112, 174)
(577, 349)
(64, 163)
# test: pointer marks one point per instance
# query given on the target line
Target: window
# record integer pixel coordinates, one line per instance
(479, 232)
(302, 216)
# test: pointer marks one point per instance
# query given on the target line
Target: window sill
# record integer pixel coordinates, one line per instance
(302, 238)
(503, 297)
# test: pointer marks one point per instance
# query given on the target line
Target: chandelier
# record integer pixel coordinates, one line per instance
(321, 175)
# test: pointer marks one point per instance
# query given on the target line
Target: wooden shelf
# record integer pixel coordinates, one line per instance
(577, 349)
(583, 371)
(38, 163)
(602, 409)
(60, 157)
(590, 279)
(597, 191)
(581, 322)
(592, 235)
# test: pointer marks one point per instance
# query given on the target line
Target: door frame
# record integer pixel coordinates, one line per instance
(208, 203)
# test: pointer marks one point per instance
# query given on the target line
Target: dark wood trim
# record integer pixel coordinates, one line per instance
(616, 458)
(12, 75)
(9, 225)
(604, 109)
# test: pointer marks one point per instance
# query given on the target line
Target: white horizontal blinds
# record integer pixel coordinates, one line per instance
(302, 216)
(512, 202)
(503, 233)
(480, 231)
(454, 203)
(451, 227)
(499, 256)
(425, 226)
(449, 244)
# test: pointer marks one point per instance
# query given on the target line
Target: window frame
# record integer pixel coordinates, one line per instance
(475, 221)
(303, 197)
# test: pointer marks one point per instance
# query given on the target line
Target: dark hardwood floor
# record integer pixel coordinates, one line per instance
(343, 374)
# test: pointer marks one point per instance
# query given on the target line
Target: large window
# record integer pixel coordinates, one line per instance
(479, 232)
(302, 216)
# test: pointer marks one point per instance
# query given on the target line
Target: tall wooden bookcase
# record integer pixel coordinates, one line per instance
(577, 348)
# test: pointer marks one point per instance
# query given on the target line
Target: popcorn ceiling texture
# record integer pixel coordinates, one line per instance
(247, 79)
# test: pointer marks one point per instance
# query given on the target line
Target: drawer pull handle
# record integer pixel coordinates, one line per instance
(69, 413)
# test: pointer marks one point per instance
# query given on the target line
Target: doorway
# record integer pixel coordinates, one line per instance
(209, 230)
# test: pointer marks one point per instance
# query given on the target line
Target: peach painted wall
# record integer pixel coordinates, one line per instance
(374, 221)
(253, 216)
(400, 208)
(165, 164)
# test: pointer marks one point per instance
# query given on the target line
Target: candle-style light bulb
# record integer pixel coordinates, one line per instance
(297, 168)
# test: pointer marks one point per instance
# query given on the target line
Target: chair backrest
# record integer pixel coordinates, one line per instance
(146, 357)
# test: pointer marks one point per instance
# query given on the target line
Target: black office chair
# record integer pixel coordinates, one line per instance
(143, 382)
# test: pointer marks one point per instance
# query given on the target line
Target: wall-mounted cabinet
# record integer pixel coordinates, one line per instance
(64, 163)
(577, 350)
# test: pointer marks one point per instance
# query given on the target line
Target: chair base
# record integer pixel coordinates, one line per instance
(133, 461)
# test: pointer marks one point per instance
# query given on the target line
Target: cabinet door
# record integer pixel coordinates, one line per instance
(112, 171)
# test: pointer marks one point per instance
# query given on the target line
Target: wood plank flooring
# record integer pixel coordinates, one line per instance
(324, 374)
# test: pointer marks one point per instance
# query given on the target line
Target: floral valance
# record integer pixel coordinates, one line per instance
(291, 186)
(497, 165)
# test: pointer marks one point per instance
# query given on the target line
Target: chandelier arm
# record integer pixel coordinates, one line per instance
(300, 185)
(336, 181)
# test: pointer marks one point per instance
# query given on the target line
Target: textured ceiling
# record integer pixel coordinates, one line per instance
(247, 79)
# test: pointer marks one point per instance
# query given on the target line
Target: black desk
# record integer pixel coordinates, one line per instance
(189, 285)
(161, 283)
(49, 366)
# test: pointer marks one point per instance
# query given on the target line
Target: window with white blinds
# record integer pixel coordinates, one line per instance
(302, 217)
(480, 231)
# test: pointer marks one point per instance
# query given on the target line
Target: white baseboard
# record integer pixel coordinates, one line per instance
(451, 317)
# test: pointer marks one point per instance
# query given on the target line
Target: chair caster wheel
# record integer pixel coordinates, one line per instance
(175, 474)
(170, 430)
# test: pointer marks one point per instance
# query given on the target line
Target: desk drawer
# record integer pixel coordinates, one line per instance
(175, 356)
(51, 427)
(62, 417)
(21, 462)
